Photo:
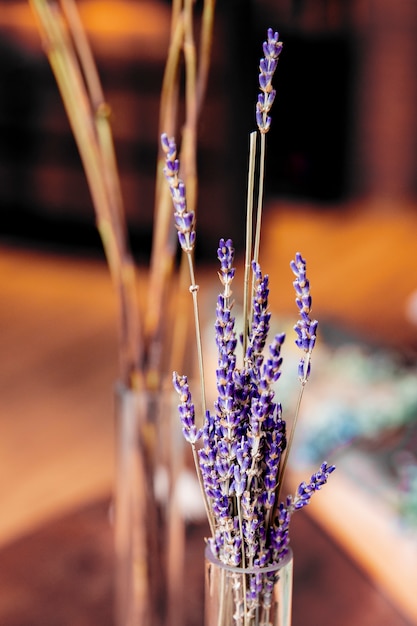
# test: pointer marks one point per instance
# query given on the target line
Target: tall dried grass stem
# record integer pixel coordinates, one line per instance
(164, 239)
(99, 169)
(206, 42)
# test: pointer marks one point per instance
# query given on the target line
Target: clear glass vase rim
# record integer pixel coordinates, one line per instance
(249, 570)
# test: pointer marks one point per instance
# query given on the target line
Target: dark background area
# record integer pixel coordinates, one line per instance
(329, 90)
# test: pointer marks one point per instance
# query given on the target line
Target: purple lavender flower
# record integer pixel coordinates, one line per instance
(306, 328)
(184, 219)
(225, 254)
(261, 318)
(272, 367)
(276, 443)
(317, 480)
(279, 531)
(225, 322)
(243, 442)
(272, 48)
(186, 409)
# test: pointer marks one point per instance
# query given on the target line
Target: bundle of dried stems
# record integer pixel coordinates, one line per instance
(74, 68)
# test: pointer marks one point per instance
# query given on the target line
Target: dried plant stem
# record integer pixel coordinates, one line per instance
(182, 323)
(84, 51)
(248, 246)
(163, 247)
(194, 292)
(164, 240)
(99, 165)
(206, 42)
(189, 139)
(283, 467)
(260, 198)
(208, 510)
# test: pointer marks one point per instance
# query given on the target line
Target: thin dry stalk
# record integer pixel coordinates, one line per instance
(182, 47)
(206, 43)
(90, 126)
(164, 241)
(249, 235)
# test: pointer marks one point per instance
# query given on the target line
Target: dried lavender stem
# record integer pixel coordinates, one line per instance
(189, 138)
(194, 291)
(222, 603)
(260, 198)
(208, 510)
(248, 246)
(289, 442)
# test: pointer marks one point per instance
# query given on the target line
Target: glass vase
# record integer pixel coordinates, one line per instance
(248, 597)
(148, 526)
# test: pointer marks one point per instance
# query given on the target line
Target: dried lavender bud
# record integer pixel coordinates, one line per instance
(317, 480)
(225, 254)
(186, 409)
(306, 328)
(261, 318)
(184, 220)
(275, 445)
(272, 367)
(272, 48)
(279, 531)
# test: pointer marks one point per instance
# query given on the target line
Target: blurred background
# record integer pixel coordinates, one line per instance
(341, 187)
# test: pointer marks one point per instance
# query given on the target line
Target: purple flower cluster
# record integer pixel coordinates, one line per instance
(242, 443)
(184, 219)
(272, 48)
(306, 328)
(186, 409)
(244, 440)
(306, 490)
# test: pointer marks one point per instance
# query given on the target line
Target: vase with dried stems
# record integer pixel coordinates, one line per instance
(241, 449)
(149, 529)
(227, 602)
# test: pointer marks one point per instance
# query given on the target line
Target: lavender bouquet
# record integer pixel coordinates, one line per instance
(241, 448)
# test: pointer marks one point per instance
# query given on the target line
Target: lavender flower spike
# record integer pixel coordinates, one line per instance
(272, 48)
(306, 490)
(186, 409)
(184, 220)
(225, 254)
(306, 328)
